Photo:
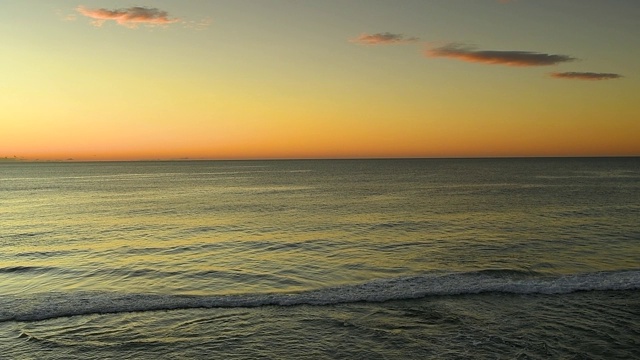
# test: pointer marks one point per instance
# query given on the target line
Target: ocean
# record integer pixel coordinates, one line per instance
(532, 258)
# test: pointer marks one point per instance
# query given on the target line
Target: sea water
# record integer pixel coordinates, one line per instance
(321, 259)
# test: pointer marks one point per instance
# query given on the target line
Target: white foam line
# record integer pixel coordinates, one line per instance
(54, 305)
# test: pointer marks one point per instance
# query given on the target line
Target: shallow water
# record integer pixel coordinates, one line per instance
(321, 259)
(581, 325)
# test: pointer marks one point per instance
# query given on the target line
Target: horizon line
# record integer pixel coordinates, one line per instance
(186, 159)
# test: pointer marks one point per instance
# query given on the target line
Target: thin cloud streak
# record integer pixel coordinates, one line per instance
(385, 38)
(585, 75)
(497, 57)
(130, 17)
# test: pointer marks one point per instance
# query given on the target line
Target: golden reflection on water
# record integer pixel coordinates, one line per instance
(202, 232)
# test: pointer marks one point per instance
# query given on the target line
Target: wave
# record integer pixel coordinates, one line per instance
(25, 269)
(55, 305)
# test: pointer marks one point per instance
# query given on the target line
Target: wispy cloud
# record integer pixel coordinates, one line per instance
(585, 75)
(385, 38)
(66, 17)
(198, 25)
(497, 57)
(130, 17)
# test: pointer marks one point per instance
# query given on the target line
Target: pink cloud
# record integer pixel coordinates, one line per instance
(131, 17)
(497, 57)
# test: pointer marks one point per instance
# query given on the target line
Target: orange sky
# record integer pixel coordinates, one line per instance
(115, 80)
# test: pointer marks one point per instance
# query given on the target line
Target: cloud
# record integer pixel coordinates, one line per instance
(497, 57)
(131, 17)
(585, 75)
(198, 25)
(66, 17)
(385, 38)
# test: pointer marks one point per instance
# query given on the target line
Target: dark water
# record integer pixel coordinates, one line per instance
(377, 259)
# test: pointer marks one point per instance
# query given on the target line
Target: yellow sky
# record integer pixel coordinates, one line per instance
(103, 80)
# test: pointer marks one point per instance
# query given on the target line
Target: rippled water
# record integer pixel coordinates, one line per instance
(321, 259)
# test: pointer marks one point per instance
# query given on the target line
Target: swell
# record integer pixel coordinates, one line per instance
(54, 305)
(33, 270)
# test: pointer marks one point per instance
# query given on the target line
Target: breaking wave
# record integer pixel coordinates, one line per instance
(55, 305)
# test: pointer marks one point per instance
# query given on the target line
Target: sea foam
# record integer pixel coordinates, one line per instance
(54, 305)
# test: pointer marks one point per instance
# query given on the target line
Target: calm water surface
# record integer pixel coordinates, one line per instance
(504, 258)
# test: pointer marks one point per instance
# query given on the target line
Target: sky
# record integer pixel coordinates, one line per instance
(271, 79)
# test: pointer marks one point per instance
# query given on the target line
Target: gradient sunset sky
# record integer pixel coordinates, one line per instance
(236, 79)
